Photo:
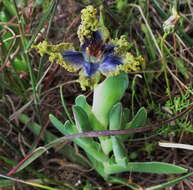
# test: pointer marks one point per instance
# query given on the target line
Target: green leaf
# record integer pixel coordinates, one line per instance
(88, 144)
(163, 14)
(98, 166)
(169, 183)
(119, 152)
(34, 155)
(115, 121)
(126, 118)
(20, 65)
(139, 119)
(81, 119)
(95, 124)
(4, 183)
(30, 183)
(105, 96)
(9, 5)
(126, 115)
(81, 101)
(148, 41)
(106, 144)
(36, 128)
(115, 117)
(180, 63)
(146, 167)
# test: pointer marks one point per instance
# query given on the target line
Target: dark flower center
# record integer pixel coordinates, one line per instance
(95, 48)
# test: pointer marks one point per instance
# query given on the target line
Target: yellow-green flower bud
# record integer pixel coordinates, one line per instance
(54, 52)
(89, 23)
(131, 63)
(122, 46)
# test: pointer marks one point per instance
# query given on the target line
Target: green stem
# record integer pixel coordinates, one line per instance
(64, 106)
(164, 65)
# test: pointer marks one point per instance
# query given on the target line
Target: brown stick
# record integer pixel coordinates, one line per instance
(127, 131)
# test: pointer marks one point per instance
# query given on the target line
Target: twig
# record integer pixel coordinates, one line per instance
(126, 131)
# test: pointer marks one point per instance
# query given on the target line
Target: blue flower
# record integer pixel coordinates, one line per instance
(96, 56)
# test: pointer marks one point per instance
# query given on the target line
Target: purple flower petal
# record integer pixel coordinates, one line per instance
(110, 63)
(75, 58)
(90, 69)
(109, 49)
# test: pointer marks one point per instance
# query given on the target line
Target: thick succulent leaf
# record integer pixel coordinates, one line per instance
(98, 166)
(126, 115)
(106, 95)
(119, 152)
(88, 144)
(81, 119)
(139, 119)
(81, 101)
(115, 117)
(106, 143)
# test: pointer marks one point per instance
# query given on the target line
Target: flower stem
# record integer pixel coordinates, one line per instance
(164, 65)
